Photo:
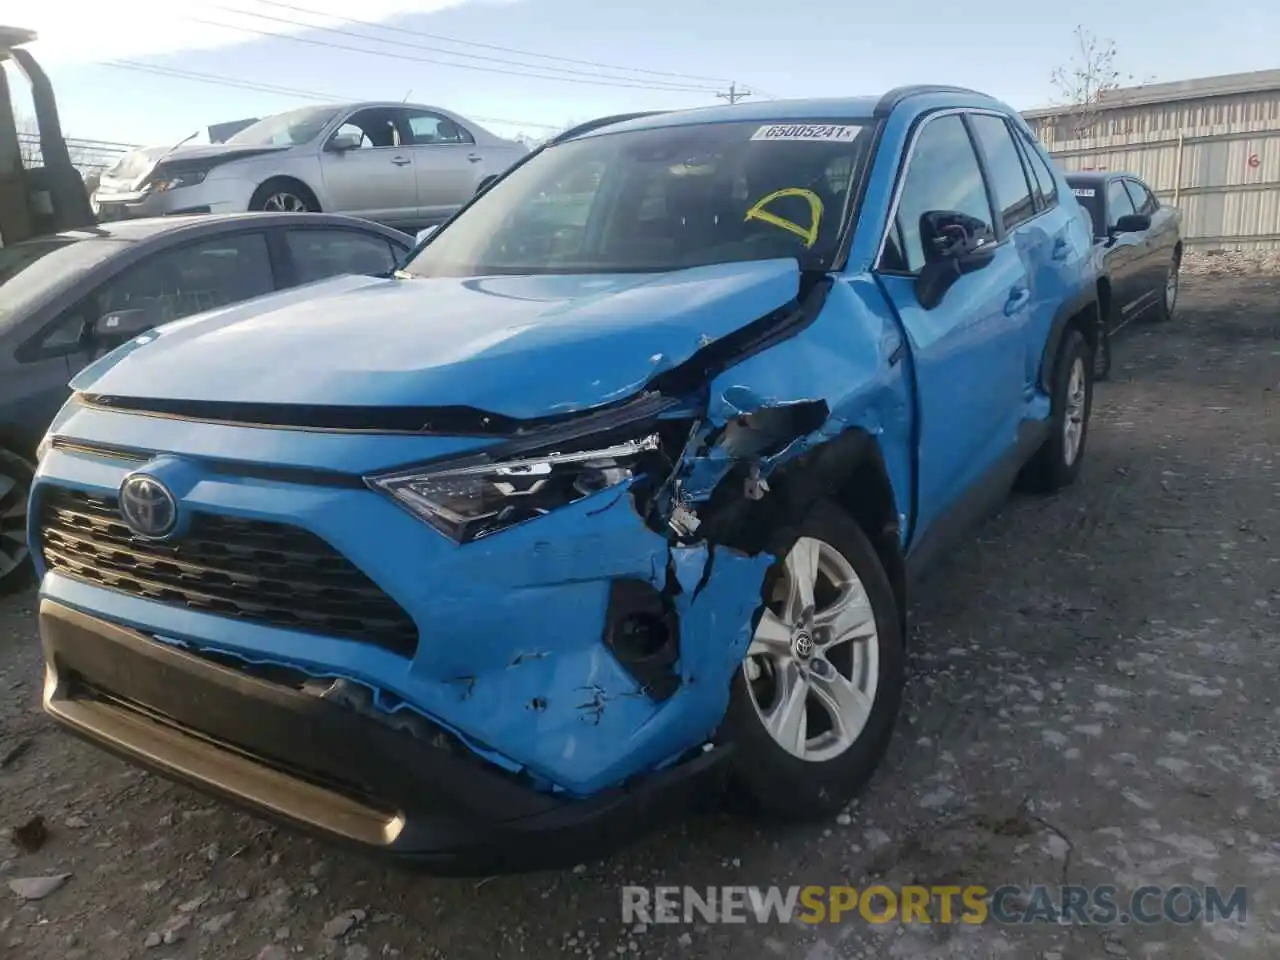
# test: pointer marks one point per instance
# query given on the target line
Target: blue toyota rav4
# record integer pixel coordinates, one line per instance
(608, 500)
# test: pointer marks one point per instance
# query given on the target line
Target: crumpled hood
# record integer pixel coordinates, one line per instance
(128, 173)
(520, 347)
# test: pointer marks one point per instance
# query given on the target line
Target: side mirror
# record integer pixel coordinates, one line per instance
(342, 142)
(120, 326)
(422, 236)
(1132, 223)
(957, 244)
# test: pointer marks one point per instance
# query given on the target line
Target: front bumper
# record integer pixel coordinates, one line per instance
(322, 767)
(216, 196)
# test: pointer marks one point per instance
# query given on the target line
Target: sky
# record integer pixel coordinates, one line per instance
(154, 71)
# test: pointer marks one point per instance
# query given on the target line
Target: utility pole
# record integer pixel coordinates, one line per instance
(733, 94)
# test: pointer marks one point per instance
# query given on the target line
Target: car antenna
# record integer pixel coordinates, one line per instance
(406, 95)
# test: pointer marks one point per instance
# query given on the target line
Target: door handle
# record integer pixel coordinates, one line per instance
(1018, 298)
(474, 157)
(401, 161)
(1060, 248)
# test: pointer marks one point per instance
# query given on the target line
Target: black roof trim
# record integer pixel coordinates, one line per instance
(885, 105)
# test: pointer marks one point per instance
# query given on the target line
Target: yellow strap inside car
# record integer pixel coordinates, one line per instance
(808, 234)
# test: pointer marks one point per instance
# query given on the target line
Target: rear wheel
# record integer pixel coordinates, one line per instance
(1057, 463)
(16, 476)
(813, 706)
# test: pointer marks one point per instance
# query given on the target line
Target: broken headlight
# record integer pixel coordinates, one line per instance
(468, 501)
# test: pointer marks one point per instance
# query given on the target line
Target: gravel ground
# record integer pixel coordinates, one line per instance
(1091, 701)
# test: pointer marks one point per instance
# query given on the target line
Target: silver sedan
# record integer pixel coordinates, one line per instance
(396, 163)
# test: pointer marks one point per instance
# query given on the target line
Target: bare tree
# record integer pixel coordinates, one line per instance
(1082, 82)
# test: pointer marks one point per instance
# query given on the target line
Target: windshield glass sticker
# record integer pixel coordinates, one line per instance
(820, 132)
(1084, 192)
(808, 234)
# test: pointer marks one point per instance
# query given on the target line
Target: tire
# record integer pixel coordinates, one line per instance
(1057, 463)
(16, 570)
(1168, 305)
(1102, 355)
(282, 194)
(780, 782)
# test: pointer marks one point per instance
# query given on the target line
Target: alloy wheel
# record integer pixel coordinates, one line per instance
(813, 664)
(284, 202)
(13, 525)
(1073, 422)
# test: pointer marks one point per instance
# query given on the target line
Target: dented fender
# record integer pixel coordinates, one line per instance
(846, 376)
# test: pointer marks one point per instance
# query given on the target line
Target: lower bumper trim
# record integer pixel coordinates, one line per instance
(325, 769)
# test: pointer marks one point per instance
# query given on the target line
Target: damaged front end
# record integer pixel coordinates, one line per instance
(508, 645)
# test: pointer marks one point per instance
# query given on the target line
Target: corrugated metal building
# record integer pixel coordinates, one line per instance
(1209, 146)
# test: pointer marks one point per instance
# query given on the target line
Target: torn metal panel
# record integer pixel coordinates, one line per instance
(804, 393)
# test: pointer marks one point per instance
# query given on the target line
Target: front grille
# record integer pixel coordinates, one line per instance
(253, 570)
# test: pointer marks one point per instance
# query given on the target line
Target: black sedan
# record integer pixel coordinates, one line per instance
(1138, 241)
(66, 298)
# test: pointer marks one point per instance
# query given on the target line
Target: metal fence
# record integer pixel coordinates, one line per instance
(88, 156)
(1217, 159)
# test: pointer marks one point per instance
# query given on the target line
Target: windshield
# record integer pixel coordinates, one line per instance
(1089, 193)
(29, 270)
(661, 199)
(286, 129)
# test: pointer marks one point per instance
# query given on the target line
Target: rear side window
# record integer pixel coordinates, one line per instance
(320, 254)
(943, 177)
(1004, 167)
(1045, 187)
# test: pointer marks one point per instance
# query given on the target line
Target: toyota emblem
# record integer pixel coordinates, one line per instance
(148, 507)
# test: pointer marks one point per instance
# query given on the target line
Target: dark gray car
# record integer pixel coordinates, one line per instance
(56, 290)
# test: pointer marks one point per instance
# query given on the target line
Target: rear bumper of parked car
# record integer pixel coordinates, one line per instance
(321, 766)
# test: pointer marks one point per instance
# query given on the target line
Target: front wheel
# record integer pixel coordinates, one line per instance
(1169, 297)
(812, 708)
(283, 196)
(16, 475)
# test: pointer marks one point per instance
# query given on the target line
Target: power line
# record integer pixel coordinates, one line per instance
(733, 94)
(656, 84)
(460, 66)
(492, 46)
(257, 87)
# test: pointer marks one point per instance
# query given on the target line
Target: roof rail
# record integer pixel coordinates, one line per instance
(599, 122)
(885, 105)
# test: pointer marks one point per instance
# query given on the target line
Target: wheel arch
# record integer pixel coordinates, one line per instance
(1104, 299)
(293, 181)
(848, 470)
(1083, 313)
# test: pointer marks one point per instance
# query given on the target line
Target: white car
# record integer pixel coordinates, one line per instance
(400, 164)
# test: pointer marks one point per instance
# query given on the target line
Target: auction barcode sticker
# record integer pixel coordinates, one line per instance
(823, 132)
(1085, 192)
